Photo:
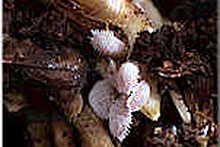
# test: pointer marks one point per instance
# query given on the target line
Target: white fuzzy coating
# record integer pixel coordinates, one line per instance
(120, 119)
(139, 96)
(101, 98)
(127, 78)
(106, 43)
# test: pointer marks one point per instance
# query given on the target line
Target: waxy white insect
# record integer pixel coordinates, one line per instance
(127, 78)
(139, 96)
(106, 43)
(101, 98)
(134, 95)
(120, 119)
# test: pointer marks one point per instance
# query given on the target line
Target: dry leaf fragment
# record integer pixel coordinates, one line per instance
(92, 131)
(181, 107)
(14, 102)
(152, 108)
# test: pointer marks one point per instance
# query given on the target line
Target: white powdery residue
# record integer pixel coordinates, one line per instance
(120, 119)
(101, 98)
(106, 43)
(139, 96)
(127, 78)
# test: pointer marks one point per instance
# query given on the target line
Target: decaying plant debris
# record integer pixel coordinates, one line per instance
(104, 73)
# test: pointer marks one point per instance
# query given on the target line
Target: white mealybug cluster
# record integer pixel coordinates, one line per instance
(134, 95)
(128, 83)
(106, 43)
(120, 119)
